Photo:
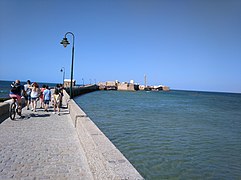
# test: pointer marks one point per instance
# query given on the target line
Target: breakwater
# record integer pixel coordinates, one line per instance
(79, 90)
(100, 159)
(104, 159)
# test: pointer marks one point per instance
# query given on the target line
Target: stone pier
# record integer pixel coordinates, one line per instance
(43, 145)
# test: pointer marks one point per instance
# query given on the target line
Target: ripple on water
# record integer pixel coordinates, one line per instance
(176, 135)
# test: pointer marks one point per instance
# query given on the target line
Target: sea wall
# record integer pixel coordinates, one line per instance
(105, 160)
(4, 111)
(79, 90)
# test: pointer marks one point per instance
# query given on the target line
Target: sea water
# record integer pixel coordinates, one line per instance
(172, 135)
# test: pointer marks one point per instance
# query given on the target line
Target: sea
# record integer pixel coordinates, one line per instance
(172, 135)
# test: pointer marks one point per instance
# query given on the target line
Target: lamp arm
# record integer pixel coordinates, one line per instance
(71, 34)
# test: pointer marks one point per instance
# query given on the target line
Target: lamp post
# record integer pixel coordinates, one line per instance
(63, 70)
(65, 42)
(83, 81)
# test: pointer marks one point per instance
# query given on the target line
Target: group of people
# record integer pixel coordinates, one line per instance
(31, 93)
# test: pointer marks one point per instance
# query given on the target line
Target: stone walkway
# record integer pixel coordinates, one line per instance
(42, 145)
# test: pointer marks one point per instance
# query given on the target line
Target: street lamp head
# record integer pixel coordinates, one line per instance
(61, 70)
(65, 42)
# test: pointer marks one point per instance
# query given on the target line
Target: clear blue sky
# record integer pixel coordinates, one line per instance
(188, 44)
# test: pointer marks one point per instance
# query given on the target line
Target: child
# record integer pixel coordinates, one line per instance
(56, 98)
(41, 97)
(47, 98)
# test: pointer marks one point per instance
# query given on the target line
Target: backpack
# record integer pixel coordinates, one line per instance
(14, 89)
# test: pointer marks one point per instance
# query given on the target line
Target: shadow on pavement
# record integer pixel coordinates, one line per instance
(29, 116)
(38, 115)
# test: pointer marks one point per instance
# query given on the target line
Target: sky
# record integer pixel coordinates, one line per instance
(186, 45)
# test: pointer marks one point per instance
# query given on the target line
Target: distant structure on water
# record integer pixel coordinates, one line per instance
(123, 86)
(67, 82)
(131, 86)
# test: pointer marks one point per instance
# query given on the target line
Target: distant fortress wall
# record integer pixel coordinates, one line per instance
(165, 88)
(114, 85)
(127, 87)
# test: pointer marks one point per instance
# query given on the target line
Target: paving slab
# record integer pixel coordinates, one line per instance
(42, 145)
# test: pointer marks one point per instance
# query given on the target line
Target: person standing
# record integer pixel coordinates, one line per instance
(60, 89)
(34, 95)
(56, 98)
(41, 97)
(27, 89)
(47, 98)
